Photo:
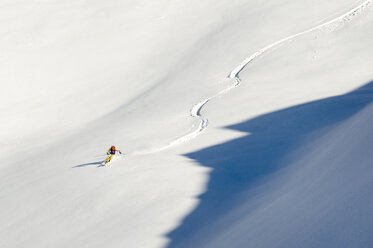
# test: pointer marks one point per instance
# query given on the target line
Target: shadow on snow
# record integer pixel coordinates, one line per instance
(238, 164)
(87, 164)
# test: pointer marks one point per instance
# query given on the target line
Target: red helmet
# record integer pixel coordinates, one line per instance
(112, 147)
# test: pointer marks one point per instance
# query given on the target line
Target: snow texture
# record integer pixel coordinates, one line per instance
(276, 154)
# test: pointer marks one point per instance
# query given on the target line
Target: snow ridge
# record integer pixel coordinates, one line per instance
(234, 74)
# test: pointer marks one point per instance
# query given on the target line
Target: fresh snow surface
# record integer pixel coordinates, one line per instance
(244, 123)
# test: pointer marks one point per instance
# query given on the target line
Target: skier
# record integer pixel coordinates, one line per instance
(111, 153)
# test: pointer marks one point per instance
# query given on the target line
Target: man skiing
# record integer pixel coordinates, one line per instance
(111, 153)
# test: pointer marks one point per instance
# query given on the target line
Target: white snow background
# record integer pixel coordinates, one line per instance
(244, 123)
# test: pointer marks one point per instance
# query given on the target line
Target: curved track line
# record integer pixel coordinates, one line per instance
(234, 74)
(338, 20)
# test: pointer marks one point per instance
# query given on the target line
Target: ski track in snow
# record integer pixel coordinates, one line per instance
(234, 74)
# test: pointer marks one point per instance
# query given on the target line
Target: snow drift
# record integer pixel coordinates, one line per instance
(278, 157)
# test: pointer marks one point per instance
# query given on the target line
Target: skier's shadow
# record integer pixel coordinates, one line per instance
(88, 164)
(237, 165)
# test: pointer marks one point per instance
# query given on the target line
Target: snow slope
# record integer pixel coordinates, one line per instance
(211, 161)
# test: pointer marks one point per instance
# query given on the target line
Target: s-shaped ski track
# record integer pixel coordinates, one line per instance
(195, 111)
